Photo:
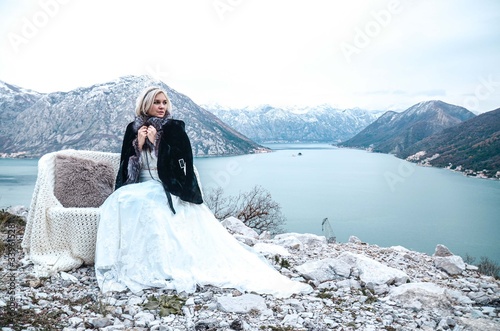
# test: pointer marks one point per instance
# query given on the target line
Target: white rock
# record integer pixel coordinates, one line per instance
(479, 297)
(400, 249)
(188, 311)
(380, 289)
(68, 277)
(295, 304)
(116, 327)
(452, 265)
(471, 267)
(324, 270)
(144, 317)
(19, 210)
(349, 283)
(488, 310)
(100, 322)
(331, 285)
(75, 320)
(154, 323)
(418, 295)
(289, 242)
(242, 304)
(292, 320)
(442, 251)
(373, 272)
(307, 239)
(459, 297)
(478, 323)
(354, 240)
(271, 249)
(135, 300)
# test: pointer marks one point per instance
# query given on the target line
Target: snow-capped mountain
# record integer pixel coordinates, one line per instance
(295, 124)
(95, 118)
(13, 101)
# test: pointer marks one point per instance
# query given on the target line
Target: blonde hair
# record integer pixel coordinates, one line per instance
(146, 99)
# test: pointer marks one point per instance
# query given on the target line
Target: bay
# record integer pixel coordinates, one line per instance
(377, 197)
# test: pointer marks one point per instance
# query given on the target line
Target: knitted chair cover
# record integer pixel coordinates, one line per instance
(58, 238)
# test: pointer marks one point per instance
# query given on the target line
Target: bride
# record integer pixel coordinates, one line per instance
(155, 231)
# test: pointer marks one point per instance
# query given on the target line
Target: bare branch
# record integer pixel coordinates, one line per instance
(255, 208)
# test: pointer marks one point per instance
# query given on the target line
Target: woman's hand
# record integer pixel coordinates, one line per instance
(142, 134)
(151, 134)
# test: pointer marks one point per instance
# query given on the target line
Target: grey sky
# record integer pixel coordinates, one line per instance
(367, 54)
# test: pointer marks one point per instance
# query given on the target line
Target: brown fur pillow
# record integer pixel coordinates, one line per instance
(82, 182)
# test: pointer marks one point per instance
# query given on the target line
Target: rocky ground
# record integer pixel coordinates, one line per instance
(357, 286)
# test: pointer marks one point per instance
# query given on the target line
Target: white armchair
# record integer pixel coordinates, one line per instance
(57, 238)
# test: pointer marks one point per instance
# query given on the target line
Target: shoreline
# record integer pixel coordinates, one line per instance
(424, 162)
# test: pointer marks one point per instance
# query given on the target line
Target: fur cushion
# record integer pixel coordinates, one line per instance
(82, 182)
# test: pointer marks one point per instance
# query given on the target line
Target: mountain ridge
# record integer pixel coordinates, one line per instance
(269, 124)
(394, 132)
(472, 146)
(94, 117)
(434, 133)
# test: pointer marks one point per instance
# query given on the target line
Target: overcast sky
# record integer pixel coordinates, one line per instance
(386, 54)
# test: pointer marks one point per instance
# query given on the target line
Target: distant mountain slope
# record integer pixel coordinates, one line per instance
(95, 118)
(314, 124)
(13, 101)
(472, 145)
(394, 132)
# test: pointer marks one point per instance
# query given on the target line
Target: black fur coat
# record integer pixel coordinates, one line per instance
(175, 159)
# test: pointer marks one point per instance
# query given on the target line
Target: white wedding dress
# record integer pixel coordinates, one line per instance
(142, 244)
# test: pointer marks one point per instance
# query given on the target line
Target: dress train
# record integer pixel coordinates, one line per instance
(142, 244)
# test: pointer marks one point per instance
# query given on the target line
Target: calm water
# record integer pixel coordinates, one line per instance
(377, 197)
(17, 181)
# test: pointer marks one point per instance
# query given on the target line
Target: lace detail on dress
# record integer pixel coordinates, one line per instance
(149, 170)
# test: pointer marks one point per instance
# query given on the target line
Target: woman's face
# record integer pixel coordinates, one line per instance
(159, 106)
